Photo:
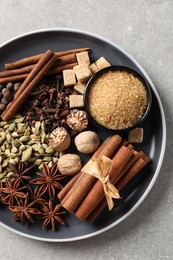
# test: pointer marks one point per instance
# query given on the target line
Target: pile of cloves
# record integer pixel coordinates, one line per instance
(49, 102)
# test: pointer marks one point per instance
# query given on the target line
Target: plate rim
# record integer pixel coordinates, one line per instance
(163, 145)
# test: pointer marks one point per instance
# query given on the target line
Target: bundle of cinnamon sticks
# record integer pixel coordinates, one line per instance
(20, 69)
(84, 195)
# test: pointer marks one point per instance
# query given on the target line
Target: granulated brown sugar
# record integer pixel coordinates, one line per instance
(117, 100)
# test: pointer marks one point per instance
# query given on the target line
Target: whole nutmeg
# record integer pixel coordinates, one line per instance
(87, 142)
(69, 164)
(59, 139)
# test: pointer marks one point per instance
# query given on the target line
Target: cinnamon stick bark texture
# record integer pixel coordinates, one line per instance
(134, 165)
(85, 182)
(132, 160)
(40, 69)
(64, 60)
(96, 194)
(140, 163)
(68, 186)
(51, 71)
(34, 59)
(16, 78)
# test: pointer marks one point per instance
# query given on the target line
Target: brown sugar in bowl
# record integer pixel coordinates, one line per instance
(117, 98)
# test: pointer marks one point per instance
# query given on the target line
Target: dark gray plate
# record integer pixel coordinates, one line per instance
(154, 129)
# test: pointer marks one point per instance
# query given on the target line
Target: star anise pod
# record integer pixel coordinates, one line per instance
(20, 172)
(34, 196)
(24, 210)
(12, 192)
(51, 215)
(48, 181)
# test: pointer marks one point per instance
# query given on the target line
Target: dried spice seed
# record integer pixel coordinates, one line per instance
(23, 143)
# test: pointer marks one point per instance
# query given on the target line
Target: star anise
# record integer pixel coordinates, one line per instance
(34, 196)
(48, 181)
(20, 172)
(24, 210)
(51, 215)
(12, 192)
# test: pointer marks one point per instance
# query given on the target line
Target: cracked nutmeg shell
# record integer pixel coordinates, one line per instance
(77, 120)
(59, 139)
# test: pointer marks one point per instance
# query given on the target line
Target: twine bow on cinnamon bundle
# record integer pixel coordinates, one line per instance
(101, 169)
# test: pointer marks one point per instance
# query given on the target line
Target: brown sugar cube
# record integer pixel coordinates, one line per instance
(83, 74)
(93, 68)
(69, 77)
(80, 66)
(102, 63)
(76, 101)
(80, 87)
(83, 57)
(136, 135)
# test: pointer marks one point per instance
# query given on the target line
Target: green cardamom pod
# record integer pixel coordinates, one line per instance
(49, 150)
(37, 125)
(12, 127)
(14, 150)
(38, 162)
(3, 123)
(24, 138)
(19, 120)
(47, 159)
(15, 134)
(26, 154)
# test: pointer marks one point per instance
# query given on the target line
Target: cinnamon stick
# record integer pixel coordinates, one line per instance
(63, 60)
(96, 194)
(59, 69)
(51, 71)
(67, 187)
(34, 59)
(132, 160)
(140, 163)
(20, 71)
(85, 182)
(40, 69)
(16, 78)
(130, 170)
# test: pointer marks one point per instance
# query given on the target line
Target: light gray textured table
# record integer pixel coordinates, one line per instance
(145, 30)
